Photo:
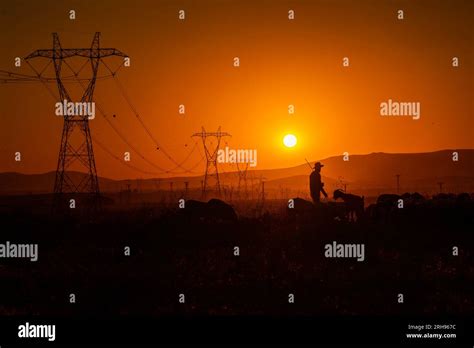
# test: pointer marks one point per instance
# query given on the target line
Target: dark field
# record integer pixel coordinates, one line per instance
(410, 253)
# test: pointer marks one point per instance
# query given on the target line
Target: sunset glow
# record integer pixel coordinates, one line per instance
(284, 83)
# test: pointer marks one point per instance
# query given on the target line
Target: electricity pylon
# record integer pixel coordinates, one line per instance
(83, 151)
(212, 173)
(242, 172)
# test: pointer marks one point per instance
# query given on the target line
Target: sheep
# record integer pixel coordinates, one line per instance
(213, 210)
(300, 208)
(221, 211)
(412, 199)
(195, 210)
(388, 200)
(444, 197)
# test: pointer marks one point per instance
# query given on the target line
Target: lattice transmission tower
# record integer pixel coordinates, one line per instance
(80, 149)
(211, 176)
(242, 172)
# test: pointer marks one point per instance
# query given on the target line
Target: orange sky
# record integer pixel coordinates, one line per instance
(282, 62)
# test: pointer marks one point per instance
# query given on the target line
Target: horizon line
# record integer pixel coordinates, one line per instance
(280, 168)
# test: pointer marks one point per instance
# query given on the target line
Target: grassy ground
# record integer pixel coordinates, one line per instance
(411, 255)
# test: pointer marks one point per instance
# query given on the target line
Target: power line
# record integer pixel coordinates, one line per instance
(11, 77)
(145, 127)
(171, 171)
(103, 147)
(122, 137)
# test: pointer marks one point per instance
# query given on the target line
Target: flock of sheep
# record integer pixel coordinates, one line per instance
(345, 207)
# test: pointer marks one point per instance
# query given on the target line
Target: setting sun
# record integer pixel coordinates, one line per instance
(289, 140)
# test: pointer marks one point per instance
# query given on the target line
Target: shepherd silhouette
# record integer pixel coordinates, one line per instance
(316, 186)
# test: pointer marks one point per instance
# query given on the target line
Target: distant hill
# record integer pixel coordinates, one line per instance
(373, 172)
(16, 183)
(376, 171)
(382, 167)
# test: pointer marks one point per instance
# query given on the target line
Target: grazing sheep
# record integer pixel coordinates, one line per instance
(301, 204)
(354, 204)
(385, 207)
(444, 197)
(388, 200)
(392, 207)
(405, 197)
(221, 211)
(412, 199)
(195, 210)
(306, 211)
(418, 197)
(301, 208)
(214, 210)
(336, 211)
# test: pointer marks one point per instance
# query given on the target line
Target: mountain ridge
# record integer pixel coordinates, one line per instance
(377, 169)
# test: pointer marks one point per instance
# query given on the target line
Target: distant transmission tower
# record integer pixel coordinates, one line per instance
(398, 183)
(82, 151)
(212, 173)
(242, 178)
